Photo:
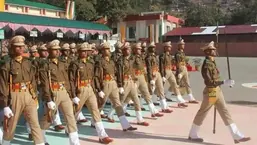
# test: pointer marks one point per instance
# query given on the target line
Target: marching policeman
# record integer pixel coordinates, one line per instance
(33, 52)
(73, 51)
(34, 60)
(154, 77)
(212, 95)
(115, 57)
(127, 82)
(143, 50)
(82, 79)
(18, 93)
(68, 58)
(167, 74)
(105, 71)
(65, 53)
(181, 71)
(140, 73)
(118, 53)
(57, 92)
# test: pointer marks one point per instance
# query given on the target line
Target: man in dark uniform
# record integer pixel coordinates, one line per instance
(181, 71)
(127, 82)
(56, 92)
(105, 73)
(115, 57)
(73, 51)
(18, 92)
(212, 95)
(118, 53)
(65, 53)
(140, 75)
(96, 55)
(33, 52)
(154, 77)
(167, 74)
(82, 83)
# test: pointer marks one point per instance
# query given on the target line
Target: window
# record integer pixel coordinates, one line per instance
(131, 32)
(6, 7)
(26, 9)
(114, 31)
(58, 14)
(168, 28)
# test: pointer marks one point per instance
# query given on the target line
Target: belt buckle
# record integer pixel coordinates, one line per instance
(23, 86)
(61, 85)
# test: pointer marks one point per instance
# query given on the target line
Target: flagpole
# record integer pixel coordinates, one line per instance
(215, 109)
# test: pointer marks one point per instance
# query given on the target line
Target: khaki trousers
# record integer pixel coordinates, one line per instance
(143, 88)
(130, 93)
(64, 103)
(206, 106)
(184, 81)
(22, 102)
(87, 96)
(111, 90)
(159, 90)
(173, 82)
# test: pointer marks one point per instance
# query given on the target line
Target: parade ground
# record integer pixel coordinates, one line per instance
(173, 129)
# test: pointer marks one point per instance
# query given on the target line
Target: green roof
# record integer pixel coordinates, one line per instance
(33, 4)
(46, 21)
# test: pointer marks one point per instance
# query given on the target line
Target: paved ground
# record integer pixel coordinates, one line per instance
(172, 129)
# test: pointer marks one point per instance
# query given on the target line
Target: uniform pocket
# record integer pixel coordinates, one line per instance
(212, 94)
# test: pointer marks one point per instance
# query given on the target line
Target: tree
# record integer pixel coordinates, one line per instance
(245, 14)
(115, 10)
(85, 10)
(202, 15)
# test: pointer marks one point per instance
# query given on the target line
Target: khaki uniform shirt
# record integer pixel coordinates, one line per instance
(22, 71)
(59, 73)
(210, 74)
(81, 70)
(152, 65)
(105, 67)
(139, 63)
(180, 59)
(165, 62)
(126, 70)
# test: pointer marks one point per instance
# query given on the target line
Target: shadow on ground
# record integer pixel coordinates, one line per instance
(119, 134)
(244, 103)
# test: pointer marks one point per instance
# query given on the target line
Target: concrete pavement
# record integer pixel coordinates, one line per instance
(172, 129)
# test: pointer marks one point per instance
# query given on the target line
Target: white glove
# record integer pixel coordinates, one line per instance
(51, 105)
(101, 94)
(121, 90)
(229, 82)
(76, 100)
(152, 82)
(179, 76)
(164, 79)
(8, 112)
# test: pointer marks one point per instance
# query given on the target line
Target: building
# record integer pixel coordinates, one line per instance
(33, 8)
(147, 26)
(34, 19)
(239, 40)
